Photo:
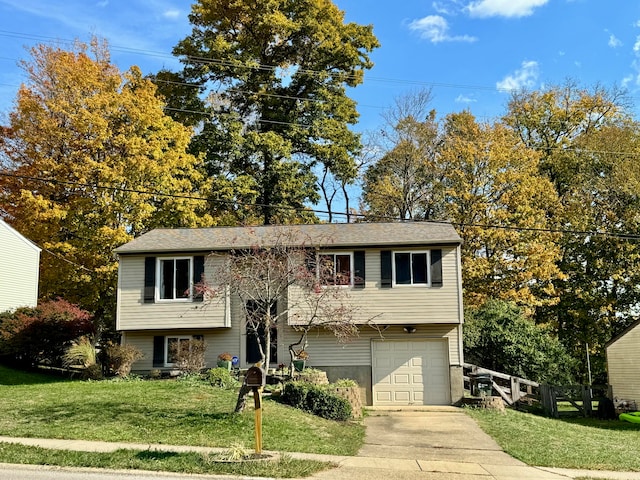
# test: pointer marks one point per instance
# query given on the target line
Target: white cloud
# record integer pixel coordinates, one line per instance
(445, 9)
(503, 8)
(435, 29)
(614, 41)
(173, 13)
(465, 99)
(636, 46)
(525, 76)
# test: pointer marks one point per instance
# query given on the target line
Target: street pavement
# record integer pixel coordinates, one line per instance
(431, 443)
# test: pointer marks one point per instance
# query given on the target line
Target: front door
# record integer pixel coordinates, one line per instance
(256, 333)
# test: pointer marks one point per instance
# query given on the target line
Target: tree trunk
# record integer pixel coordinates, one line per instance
(242, 399)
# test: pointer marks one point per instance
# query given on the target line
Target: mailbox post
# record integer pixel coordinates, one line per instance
(256, 379)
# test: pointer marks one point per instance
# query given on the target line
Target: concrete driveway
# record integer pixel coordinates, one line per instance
(434, 443)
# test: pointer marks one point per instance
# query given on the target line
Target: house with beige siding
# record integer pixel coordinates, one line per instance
(623, 358)
(20, 259)
(405, 276)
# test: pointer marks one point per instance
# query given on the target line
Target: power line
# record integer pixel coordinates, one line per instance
(254, 66)
(584, 233)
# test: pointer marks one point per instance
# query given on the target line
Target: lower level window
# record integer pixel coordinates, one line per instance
(175, 347)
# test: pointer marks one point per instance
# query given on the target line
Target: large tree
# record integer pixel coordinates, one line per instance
(481, 178)
(406, 181)
(272, 77)
(501, 206)
(88, 161)
(589, 149)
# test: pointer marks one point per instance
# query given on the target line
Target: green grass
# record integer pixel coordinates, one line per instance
(583, 443)
(193, 463)
(164, 412)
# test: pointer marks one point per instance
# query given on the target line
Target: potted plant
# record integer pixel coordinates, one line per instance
(224, 360)
(300, 360)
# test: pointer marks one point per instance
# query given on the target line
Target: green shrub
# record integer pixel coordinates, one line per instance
(345, 383)
(317, 400)
(327, 405)
(499, 337)
(295, 394)
(221, 377)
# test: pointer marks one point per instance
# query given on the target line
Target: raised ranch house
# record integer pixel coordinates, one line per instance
(404, 276)
(20, 259)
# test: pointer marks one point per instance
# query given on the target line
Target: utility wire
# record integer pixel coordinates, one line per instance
(258, 66)
(584, 233)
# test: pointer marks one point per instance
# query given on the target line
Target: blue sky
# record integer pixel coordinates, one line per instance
(470, 52)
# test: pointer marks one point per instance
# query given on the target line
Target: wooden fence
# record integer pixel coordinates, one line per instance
(555, 400)
(570, 399)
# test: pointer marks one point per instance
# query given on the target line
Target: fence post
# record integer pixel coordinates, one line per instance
(515, 389)
(586, 401)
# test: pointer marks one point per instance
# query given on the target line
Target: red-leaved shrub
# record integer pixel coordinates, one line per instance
(40, 335)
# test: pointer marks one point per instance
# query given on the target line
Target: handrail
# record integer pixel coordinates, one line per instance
(503, 376)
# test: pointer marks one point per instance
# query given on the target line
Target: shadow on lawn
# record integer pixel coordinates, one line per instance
(616, 425)
(11, 376)
(155, 455)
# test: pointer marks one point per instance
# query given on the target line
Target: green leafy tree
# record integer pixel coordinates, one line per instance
(83, 145)
(499, 337)
(589, 150)
(273, 78)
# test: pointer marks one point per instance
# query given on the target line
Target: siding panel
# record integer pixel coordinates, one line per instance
(217, 340)
(325, 351)
(622, 364)
(134, 314)
(408, 304)
(20, 261)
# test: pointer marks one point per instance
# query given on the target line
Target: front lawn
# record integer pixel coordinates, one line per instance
(161, 411)
(565, 443)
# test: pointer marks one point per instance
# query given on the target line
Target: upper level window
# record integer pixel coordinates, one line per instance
(411, 268)
(336, 268)
(174, 275)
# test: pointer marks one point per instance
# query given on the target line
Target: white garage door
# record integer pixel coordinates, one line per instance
(412, 372)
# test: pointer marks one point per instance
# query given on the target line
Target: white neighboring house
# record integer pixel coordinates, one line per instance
(623, 356)
(20, 260)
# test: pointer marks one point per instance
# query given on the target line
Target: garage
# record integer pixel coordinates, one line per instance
(411, 372)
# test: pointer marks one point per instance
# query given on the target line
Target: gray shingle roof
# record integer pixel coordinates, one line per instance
(323, 235)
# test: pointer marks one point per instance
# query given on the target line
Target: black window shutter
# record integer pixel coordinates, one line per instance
(198, 271)
(158, 351)
(386, 270)
(436, 268)
(358, 267)
(149, 279)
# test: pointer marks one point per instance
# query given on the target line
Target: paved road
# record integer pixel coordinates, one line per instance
(31, 472)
